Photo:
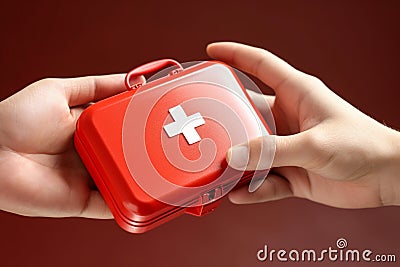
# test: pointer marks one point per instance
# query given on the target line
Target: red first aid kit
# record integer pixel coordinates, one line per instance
(159, 149)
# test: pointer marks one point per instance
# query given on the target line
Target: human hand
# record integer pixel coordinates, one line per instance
(40, 172)
(326, 150)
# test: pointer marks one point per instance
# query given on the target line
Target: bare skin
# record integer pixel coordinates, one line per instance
(40, 172)
(326, 150)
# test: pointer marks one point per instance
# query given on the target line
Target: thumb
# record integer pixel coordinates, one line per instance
(82, 90)
(271, 151)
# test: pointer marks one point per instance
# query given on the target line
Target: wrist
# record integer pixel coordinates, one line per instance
(390, 179)
(1, 124)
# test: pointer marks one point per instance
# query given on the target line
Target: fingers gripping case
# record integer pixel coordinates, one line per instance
(158, 150)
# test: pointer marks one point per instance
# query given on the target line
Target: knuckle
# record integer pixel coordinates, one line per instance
(255, 148)
(261, 153)
(46, 81)
(255, 145)
(320, 148)
(313, 79)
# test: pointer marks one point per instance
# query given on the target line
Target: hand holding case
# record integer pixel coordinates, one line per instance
(124, 145)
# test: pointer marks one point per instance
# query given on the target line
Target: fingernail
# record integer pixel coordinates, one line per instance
(238, 157)
(233, 198)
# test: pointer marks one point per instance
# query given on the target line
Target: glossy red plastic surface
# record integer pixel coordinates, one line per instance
(98, 140)
(147, 69)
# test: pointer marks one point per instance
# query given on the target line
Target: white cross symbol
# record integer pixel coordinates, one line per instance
(184, 125)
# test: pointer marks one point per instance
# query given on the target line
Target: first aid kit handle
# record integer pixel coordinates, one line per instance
(134, 79)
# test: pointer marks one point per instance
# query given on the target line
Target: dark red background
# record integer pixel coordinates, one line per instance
(352, 45)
